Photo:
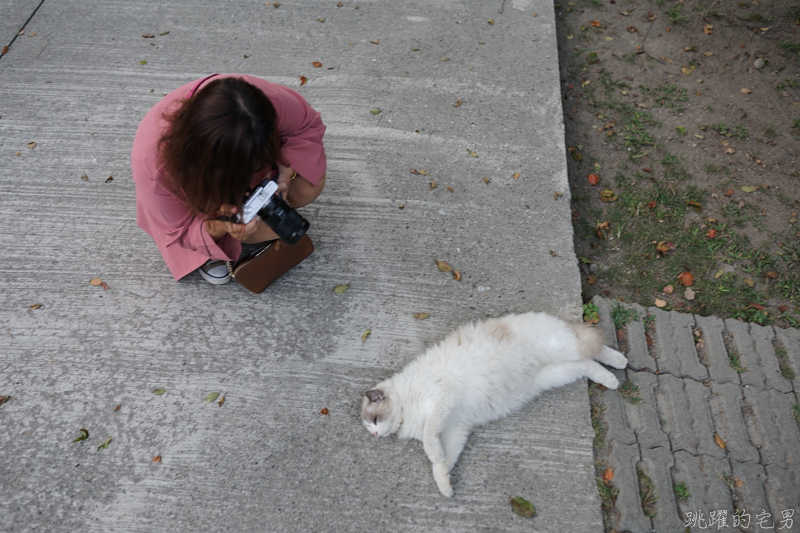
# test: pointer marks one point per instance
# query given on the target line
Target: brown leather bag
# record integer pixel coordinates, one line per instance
(257, 272)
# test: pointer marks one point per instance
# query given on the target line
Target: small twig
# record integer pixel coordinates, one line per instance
(502, 6)
(645, 38)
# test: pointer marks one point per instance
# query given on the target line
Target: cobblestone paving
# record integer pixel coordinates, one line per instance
(702, 434)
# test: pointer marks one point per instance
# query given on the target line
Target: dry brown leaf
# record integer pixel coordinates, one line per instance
(749, 282)
(596, 24)
(433, 184)
(719, 441)
(376, 41)
(668, 289)
(708, 29)
(421, 316)
(660, 303)
(117, 408)
(36, 306)
(221, 401)
(449, 188)
(689, 294)
(686, 278)
(516, 175)
(31, 145)
(413, 171)
(303, 80)
(737, 482)
(746, 91)
(95, 282)
(324, 411)
(316, 64)
(444, 267)
(157, 459)
(458, 103)
(486, 180)
(456, 275)
(608, 475)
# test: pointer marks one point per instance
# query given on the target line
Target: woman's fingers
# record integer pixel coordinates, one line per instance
(242, 231)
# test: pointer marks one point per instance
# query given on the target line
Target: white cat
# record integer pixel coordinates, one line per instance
(481, 373)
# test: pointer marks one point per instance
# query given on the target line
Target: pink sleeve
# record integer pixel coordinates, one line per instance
(300, 128)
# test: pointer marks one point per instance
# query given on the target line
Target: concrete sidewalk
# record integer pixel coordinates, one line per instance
(267, 460)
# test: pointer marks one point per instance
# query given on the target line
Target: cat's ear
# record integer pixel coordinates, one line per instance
(374, 395)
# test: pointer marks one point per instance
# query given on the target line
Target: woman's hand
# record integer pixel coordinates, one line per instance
(284, 179)
(219, 228)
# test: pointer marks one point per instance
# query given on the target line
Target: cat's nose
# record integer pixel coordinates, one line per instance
(376, 433)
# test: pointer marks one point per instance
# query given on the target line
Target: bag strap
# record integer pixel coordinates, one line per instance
(201, 82)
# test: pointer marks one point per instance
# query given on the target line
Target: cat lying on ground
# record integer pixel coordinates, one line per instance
(481, 373)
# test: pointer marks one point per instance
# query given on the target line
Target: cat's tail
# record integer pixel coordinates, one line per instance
(591, 345)
(589, 340)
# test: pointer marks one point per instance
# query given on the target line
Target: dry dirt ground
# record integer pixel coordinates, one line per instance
(683, 131)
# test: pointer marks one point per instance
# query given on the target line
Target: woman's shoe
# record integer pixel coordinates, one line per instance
(215, 271)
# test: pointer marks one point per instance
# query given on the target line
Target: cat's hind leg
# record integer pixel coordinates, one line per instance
(453, 439)
(559, 374)
(611, 357)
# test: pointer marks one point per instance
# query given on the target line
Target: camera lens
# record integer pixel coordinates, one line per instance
(285, 221)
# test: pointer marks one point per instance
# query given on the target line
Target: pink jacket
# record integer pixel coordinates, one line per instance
(181, 236)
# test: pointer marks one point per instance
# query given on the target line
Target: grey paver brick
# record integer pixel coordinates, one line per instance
(643, 416)
(789, 339)
(783, 489)
(745, 348)
(719, 366)
(674, 344)
(771, 426)
(658, 463)
(773, 379)
(616, 418)
(606, 324)
(750, 496)
(683, 405)
(638, 354)
(622, 458)
(705, 480)
(726, 410)
(699, 397)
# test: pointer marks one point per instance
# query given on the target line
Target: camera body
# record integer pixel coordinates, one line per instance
(275, 212)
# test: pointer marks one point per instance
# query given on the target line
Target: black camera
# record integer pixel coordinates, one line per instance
(275, 212)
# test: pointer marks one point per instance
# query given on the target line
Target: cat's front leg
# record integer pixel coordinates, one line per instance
(441, 474)
(431, 435)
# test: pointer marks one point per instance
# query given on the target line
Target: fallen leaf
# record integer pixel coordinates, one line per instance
(117, 408)
(576, 155)
(718, 273)
(164, 32)
(486, 180)
(5, 50)
(491, 22)
(660, 303)
(772, 274)
(516, 175)
(668, 289)
(608, 475)
(607, 195)
(652, 204)
(32, 34)
(84, 435)
(746, 91)
(142, 62)
(737, 482)
(401, 206)
(719, 441)
(690, 49)
(36, 306)
(148, 36)
(422, 316)
(444, 267)
(85, 177)
(694, 204)
(433, 184)
(729, 192)
(110, 178)
(458, 103)
(303, 80)
(555, 194)
(688, 70)
(157, 459)
(781, 308)
(625, 13)
(631, 29)
(96, 282)
(316, 64)
(708, 54)
(689, 294)
(423, 173)
(594, 179)
(712, 233)
(456, 275)
(211, 397)
(413, 171)
(159, 392)
(757, 306)
(749, 282)
(729, 151)
(365, 335)
(708, 29)
(221, 401)
(473, 153)
(105, 444)
(339, 4)
(375, 111)
(686, 278)
(591, 280)
(321, 19)
(104, 285)
(31, 145)
(750, 188)
(324, 411)
(339, 289)
(609, 38)
(596, 24)
(449, 188)
(523, 507)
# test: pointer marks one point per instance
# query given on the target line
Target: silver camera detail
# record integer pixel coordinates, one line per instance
(257, 201)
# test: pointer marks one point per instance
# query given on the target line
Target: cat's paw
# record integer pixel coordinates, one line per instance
(442, 478)
(610, 381)
(614, 358)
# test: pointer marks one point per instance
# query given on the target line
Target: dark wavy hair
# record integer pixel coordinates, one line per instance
(217, 140)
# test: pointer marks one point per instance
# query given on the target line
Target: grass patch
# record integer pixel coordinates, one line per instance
(622, 316)
(790, 46)
(733, 359)
(630, 392)
(675, 14)
(739, 131)
(597, 410)
(783, 363)
(716, 169)
(681, 491)
(794, 14)
(756, 17)
(668, 95)
(796, 413)
(648, 494)
(788, 83)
